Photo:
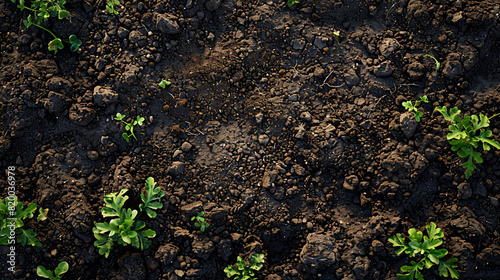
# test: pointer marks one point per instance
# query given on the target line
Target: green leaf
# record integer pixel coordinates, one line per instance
(230, 271)
(451, 116)
(140, 120)
(62, 14)
(56, 45)
(61, 269)
(42, 272)
(408, 105)
(28, 22)
(469, 167)
(43, 214)
(418, 114)
(125, 136)
(399, 241)
(75, 43)
(415, 235)
(164, 83)
(28, 237)
(290, 3)
(448, 268)
(119, 117)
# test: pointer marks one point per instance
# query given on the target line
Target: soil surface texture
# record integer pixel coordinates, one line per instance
(284, 125)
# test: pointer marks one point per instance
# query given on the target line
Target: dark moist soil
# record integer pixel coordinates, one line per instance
(295, 145)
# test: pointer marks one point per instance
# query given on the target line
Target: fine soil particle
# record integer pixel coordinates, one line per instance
(291, 139)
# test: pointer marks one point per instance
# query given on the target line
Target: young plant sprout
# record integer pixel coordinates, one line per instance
(56, 275)
(413, 108)
(200, 221)
(424, 247)
(129, 126)
(290, 3)
(438, 65)
(164, 83)
(110, 6)
(44, 9)
(465, 135)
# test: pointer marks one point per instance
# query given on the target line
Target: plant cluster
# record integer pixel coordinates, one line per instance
(413, 108)
(56, 275)
(129, 126)
(12, 214)
(425, 246)
(125, 228)
(465, 135)
(200, 221)
(42, 10)
(244, 271)
(110, 6)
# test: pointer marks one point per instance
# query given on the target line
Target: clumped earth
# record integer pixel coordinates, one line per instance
(293, 144)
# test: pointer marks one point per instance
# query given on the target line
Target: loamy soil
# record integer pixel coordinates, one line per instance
(292, 140)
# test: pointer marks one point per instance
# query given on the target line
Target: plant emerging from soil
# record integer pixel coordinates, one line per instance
(110, 6)
(425, 246)
(56, 275)
(12, 214)
(164, 83)
(125, 228)
(129, 126)
(42, 10)
(438, 65)
(290, 3)
(243, 271)
(466, 133)
(413, 108)
(200, 221)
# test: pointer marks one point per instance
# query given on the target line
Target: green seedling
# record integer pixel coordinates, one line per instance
(290, 3)
(243, 271)
(41, 11)
(56, 275)
(110, 6)
(336, 35)
(129, 126)
(413, 108)
(424, 247)
(164, 83)
(125, 228)
(200, 221)
(466, 134)
(12, 214)
(438, 65)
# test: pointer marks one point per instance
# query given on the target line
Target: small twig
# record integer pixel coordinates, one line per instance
(327, 84)
(378, 101)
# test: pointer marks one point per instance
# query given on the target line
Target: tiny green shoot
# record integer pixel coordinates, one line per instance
(243, 271)
(129, 126)
(426, 248)
(438, 65)
(200, 221)
(465, 135)
(290, 3)
(413, 108)
(56, 275)
(336, 35)
(164, 83)
(110, 6)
